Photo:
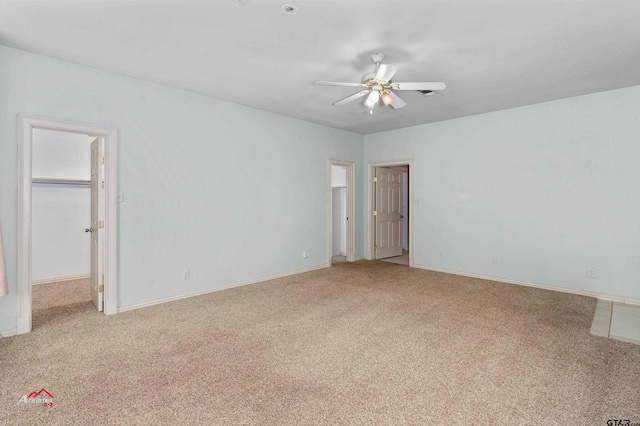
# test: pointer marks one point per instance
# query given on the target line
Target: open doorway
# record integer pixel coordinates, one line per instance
(65, 170)
(60, 221)
(340, 212)
(390, 235)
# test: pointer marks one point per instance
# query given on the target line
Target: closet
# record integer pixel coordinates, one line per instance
(61, 206)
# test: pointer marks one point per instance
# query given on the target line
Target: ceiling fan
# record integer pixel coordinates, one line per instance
(378, 86)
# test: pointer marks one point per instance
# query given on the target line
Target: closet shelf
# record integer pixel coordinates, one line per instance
(50, 181)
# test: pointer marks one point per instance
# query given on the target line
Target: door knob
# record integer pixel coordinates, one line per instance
(88, 230)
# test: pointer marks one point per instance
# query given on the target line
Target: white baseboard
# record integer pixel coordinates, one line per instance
(57, 279)
(200, 293)
(600, 296)
(8, 333)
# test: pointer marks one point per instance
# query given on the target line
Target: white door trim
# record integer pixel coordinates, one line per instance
(350, 166)
(371, 206)
(26, 124)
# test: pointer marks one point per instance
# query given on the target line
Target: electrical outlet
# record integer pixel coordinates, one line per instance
(186, 274)
(592, 273)
(305, 254)
(494, 260)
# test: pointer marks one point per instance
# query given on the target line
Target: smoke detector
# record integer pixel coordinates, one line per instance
(289, 9)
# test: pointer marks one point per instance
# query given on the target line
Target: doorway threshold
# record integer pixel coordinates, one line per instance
(403, 259)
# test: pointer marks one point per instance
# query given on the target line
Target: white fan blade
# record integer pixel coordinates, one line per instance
(434, 86)
(385, 72)
(352, 97)
(337, 83)
(397, 102)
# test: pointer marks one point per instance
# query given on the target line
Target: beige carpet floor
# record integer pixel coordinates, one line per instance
(363, 343)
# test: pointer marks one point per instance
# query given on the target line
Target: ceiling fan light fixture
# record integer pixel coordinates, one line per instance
(372, 99)
(387, 98)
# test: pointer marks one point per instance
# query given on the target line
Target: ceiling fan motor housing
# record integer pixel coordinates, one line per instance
(368, 76)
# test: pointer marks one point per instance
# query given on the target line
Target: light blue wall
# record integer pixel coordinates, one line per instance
(235, 194)
(232, 193)
(550, 190)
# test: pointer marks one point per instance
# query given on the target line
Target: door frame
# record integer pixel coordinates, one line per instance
(371, 231)
(26, 124)
(350, 166)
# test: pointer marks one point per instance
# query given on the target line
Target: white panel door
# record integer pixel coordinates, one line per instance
(97, 218)
(388, 215)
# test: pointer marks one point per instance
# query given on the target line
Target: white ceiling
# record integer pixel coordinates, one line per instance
(491, 54)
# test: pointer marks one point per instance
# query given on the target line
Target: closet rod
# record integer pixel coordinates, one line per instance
(50, 181)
